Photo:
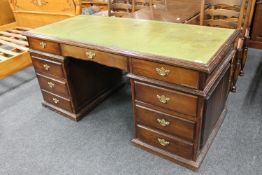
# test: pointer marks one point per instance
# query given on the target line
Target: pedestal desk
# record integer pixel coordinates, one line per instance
(179, 77)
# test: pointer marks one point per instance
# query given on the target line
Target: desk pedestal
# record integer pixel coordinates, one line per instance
(178, 106)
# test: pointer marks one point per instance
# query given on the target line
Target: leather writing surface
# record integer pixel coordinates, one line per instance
(180, 41)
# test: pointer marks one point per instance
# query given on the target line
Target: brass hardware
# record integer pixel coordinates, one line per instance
(55, 100)
(163, 142)
(50, 84)
(42, 44)
(162, 71)
(162, 98)
(46, 66)
(90, 55)
(163, 122)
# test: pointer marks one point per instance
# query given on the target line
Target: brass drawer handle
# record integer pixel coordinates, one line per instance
(90, 55)
(55, 100)
(42, 45)
(163, 122)
(46, 67)
(163, 142)
(162, 71)
(162, 98)
(51, 85)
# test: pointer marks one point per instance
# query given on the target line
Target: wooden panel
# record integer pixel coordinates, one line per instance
(57, 101)
(215, 104)
(175, 75)
(173, 145)
(53, 85)
(177, 101)
(14, 64)
(104, 58)
(35, 13)
(257, 24)
(13, 51)
(165, 122)
(177, 11)
(46, 66)
(6, 13)
(88, 80)
(44, 46)
(8, 26)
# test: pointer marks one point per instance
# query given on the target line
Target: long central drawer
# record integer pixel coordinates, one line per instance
(105, 58)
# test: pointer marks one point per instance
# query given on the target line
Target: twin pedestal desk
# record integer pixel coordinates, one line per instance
(179, 74)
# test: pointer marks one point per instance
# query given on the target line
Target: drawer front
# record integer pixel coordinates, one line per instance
(168, 99)
(48, 67)
(57, 101)
(165, 122)
(170, 74)
(165, 142)
(104, 58)
(52, 85)
(45, 46)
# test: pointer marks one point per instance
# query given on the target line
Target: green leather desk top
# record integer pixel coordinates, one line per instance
(180, 41)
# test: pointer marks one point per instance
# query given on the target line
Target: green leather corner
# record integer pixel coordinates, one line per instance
(179, 41)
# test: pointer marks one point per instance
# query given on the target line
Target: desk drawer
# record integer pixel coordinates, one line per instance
(164, 141)
(170, 74)
(168, 99)
(57, 101)
(52, 85)
(165, 122)
(48, 67)
(104, 58)
(44, 46)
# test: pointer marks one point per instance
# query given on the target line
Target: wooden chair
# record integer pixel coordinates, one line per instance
(222, 13)
(251, 7)
(139, 4)
(119, 8)
(232, 14)
(35, 13)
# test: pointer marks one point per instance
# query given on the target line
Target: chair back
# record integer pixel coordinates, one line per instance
(35, 13)
(119, 8)
(139, 4)
(225, 13)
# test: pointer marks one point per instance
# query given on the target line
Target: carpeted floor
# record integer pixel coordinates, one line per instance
(37, 141)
